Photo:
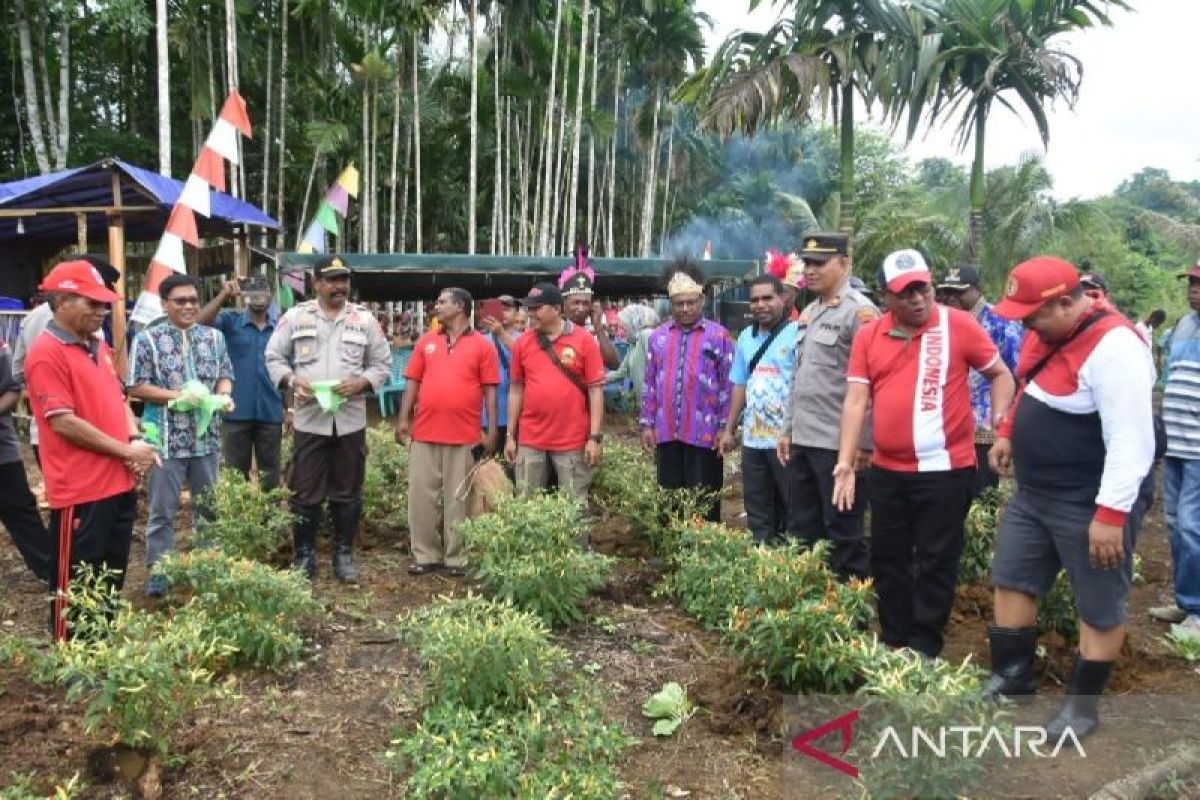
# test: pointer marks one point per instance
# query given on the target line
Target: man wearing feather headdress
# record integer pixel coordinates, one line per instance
(576, 284)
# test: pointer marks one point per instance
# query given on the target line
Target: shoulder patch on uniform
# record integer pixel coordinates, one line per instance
(867, 314)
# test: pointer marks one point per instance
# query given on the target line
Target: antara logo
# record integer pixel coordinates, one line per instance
(946, 741)
(845, 724)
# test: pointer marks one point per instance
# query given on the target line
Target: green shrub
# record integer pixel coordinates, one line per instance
(904, 690)
(983, 520)
(385, 483)
(712, 568)
(259, 610)
(1056, 610)
(559, 747)
(797, 625)
(140, 673)
(782, 609)
(626, 485)
(528, 551)
(248, 522)
(480, 653)
(23, 786)
(21, 653)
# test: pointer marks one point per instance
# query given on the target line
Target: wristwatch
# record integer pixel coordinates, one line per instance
(598, 438)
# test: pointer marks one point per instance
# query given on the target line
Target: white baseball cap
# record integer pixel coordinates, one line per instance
(902, 269)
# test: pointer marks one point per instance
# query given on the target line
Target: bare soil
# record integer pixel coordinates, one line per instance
(317, 731)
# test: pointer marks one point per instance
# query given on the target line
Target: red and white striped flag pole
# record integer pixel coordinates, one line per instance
(207, 173)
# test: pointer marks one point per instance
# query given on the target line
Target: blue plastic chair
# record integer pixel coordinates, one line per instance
(390, 392)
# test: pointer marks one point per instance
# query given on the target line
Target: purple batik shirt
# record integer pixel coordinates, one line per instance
(687, 393)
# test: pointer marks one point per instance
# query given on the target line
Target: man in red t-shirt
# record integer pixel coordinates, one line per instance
(910, 366)
(556, 400)
(452, 374)
(90, 448)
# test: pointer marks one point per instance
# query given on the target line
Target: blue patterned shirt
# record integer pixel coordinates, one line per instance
(1006, 334)
(168, 357)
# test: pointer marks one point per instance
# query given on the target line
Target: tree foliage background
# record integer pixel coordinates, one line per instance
(596, 120)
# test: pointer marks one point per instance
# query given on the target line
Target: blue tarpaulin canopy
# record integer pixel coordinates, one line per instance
(47, 206)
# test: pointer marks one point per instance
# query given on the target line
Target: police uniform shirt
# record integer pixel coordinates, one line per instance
(824, 335)
(308, 344)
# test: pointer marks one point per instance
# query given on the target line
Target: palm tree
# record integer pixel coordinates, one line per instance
(988, 51)
(822, 55)
(283, 118)
(164, 83)
(473, 168)
(666, 41)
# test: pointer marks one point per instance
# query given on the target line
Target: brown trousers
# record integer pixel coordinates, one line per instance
(435, 472)
(532, 469)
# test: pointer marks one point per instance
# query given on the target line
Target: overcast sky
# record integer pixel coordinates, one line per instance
(1139, 104)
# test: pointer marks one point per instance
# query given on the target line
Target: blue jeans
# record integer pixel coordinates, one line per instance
(163, 485)
(1181, 487)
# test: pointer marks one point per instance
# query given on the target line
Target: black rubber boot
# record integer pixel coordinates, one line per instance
(304, 539)
(345, 527)
(1013, 654)
(1079, 712)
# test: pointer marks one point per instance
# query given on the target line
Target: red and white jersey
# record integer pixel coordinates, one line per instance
(921, 401)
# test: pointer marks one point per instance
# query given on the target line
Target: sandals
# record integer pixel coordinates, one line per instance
(455, 572)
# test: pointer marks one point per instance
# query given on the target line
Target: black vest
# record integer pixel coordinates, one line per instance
(1056, 452)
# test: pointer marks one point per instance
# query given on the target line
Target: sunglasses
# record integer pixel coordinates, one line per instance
(185, 301)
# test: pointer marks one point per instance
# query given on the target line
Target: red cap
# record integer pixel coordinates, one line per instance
(1194, 272)
(1033, 283)
(81, 278)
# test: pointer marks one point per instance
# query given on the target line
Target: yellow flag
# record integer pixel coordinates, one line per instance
(348, 180)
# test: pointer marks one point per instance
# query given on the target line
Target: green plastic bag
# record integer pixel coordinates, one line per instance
(150, 433)
(196, 398)
(327, 398)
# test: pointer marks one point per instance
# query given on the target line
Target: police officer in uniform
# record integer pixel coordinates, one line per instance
(809, 445)
(328, 338)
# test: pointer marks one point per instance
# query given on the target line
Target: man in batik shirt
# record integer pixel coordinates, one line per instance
(959, 288)
(686, 400)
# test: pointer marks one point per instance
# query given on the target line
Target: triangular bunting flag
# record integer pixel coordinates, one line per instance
(195, 195)
(147, 309)
(211, 167)
(224, 140)
(208, 171)
(335, 205)
(234, 112)
(339, 198)
(286, 298)
(314, 237)
(170, 253)
(182, 223)
(327, 218)
(348, 180)
(295, 281)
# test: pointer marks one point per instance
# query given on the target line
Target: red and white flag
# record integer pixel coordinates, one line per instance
(207, 173)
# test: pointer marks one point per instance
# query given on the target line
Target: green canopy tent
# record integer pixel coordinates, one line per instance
(405, 276)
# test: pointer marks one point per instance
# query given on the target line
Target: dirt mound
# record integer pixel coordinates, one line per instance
(733, 703)
(616, 537)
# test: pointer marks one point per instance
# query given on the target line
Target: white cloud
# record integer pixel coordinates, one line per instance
(1139, 104)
